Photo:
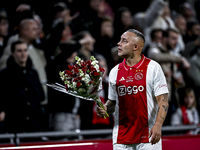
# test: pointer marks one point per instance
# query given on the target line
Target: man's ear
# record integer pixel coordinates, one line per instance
(135, 47)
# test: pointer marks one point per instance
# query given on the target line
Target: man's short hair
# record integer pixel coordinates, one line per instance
(153, 31)
(172, 30)
(59, 7)
(191, 24)
(16, 43)
(138, 33)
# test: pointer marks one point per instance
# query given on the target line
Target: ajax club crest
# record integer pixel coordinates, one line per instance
(138, 76)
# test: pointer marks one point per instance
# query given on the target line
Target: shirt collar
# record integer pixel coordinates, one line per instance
(136, 66)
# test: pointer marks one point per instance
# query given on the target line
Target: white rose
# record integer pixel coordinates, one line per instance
(86, 78)
(96, 67)
(74, 84)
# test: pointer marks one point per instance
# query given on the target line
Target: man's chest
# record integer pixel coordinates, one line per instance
(131, 81)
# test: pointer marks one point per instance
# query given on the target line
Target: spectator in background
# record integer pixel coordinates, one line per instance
(106, 10)
(169, 63)
(165, 21)
(104, 42)
(60, 33)
(143, 21)
(87, 48)
(187, 113)
(22, 92)
(181, 25)
(62, 107)
(187, 11)
(21, 12)
(91, 16)
(122, 22)
(61, 29)
(28, 32)
(41, 34)
(156, 40)
(24, 11)
(192, 45)
(192, 39)
(4, 30)
(194, 76)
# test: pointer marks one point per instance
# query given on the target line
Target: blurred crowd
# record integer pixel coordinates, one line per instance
(34, 47)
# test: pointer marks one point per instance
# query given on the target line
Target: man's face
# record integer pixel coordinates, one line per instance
(20, 53)
(189, 100)
(181, 25)
(90, 44)
(4, 27)
(126, 44)
(158, 37)
(172, 39)
(67, 33)
(196, 30)
(31, 31)
(126, 18)
(107, 29)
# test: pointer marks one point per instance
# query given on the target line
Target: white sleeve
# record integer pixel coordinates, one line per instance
(159, 80)
(112, 93)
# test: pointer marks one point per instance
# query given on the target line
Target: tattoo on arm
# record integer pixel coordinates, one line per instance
(165, 98)
(158, 109)
(162, 117)
(165, 107)
(162, 107)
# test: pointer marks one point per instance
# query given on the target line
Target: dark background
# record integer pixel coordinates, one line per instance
(43, 8)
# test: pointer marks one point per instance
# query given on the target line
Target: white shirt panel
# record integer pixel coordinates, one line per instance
(156, 85)
(112, 95)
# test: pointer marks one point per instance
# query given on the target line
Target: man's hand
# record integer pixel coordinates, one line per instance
(100, 111)
(155, 133)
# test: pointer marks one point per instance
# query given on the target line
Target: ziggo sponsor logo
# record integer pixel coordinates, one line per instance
(122, 90)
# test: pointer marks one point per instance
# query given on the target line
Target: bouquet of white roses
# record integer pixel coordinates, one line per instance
(83, 80)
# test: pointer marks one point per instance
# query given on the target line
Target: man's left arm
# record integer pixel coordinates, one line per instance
(163, 105)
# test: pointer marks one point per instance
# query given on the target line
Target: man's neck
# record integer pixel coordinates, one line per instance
(22, 64)
(133, 60)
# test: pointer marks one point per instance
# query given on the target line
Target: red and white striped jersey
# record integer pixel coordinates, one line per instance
(135, 89)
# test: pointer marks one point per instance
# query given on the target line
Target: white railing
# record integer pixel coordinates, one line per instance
(16, 137)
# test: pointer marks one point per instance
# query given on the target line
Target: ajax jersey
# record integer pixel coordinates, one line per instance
(134, 89)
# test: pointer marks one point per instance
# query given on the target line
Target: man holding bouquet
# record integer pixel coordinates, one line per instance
(138, 96)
